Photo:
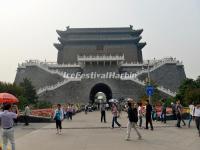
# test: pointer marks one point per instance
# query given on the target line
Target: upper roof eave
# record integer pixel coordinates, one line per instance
(63, 41)
(141, 45)
(127, 30)
(58, 46)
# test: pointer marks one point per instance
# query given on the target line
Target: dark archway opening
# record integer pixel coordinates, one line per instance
(100, 87)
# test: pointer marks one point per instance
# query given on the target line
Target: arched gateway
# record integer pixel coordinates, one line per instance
(100, 87)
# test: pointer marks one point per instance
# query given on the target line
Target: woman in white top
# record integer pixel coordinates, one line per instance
(191, 107)
(197, 117)
(140, 114)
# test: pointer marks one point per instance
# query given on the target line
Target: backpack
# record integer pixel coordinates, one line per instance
(58, 115)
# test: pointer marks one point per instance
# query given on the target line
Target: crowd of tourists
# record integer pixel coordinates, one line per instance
(135, 112)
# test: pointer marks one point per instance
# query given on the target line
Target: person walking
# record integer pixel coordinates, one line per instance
(27, 113)
(148, 115)
(58, 117)
(70, 111)
(132, 120)
(196, 114)
(103, 112)
(140, 114)
(173, 110)
(115, 115)
(191, 107)
(7, 117)
(179, 114)
(163, 113)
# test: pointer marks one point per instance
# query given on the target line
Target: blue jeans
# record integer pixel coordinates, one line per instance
(190, 119)
(115, 121)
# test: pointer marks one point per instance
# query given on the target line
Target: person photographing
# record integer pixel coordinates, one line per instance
(7, 117)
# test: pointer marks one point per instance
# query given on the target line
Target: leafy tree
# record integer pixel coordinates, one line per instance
(189, 91)
(29, 91)
(22, 102)
(11, 88)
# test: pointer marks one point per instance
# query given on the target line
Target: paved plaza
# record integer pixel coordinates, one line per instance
(86, 132)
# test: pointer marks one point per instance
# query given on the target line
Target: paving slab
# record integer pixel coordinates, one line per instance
(86, 132)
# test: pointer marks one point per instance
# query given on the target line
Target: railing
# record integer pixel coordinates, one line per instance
(158, 64)
(46, 65)
(160, 88)
(153, 62)
(57, 85)
(100, 57)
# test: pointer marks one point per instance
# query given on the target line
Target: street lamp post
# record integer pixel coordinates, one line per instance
(149, 81)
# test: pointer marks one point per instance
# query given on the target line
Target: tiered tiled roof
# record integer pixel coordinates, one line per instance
(99, 35)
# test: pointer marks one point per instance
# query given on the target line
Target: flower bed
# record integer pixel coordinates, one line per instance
(43, 112)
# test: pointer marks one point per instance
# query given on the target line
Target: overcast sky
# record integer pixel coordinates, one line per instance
(28, 28)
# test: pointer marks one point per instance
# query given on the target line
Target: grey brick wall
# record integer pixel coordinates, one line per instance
(39, 77)
(169, 76)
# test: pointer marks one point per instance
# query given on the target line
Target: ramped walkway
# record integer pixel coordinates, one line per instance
(86, 132)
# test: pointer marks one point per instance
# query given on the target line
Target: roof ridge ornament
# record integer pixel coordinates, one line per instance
(68, 27)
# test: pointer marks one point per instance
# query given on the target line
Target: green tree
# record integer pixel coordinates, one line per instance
(22, 102)
(11, 88)
(29, 91)
(189, 91)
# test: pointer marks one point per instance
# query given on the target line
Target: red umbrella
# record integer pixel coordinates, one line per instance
(8, 98)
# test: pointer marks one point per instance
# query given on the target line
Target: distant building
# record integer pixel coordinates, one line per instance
(92, 60)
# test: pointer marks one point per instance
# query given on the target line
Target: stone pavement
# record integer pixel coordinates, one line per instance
(85, 132)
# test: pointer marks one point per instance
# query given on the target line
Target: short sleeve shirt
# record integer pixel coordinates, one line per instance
(191, 109)
(7, 119)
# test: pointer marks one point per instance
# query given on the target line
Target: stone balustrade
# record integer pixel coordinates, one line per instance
(100, 57)
(57, 85)
(46, 65)
(160, 88)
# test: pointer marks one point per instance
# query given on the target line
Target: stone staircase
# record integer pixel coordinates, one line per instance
(160, 88)
(45, 66)
(57, 85)
(159, 63)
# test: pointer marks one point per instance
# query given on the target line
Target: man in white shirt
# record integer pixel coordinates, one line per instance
(7, 126)
(197, 117)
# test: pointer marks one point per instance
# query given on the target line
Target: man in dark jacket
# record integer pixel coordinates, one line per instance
(132, 120)
(148, 115)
